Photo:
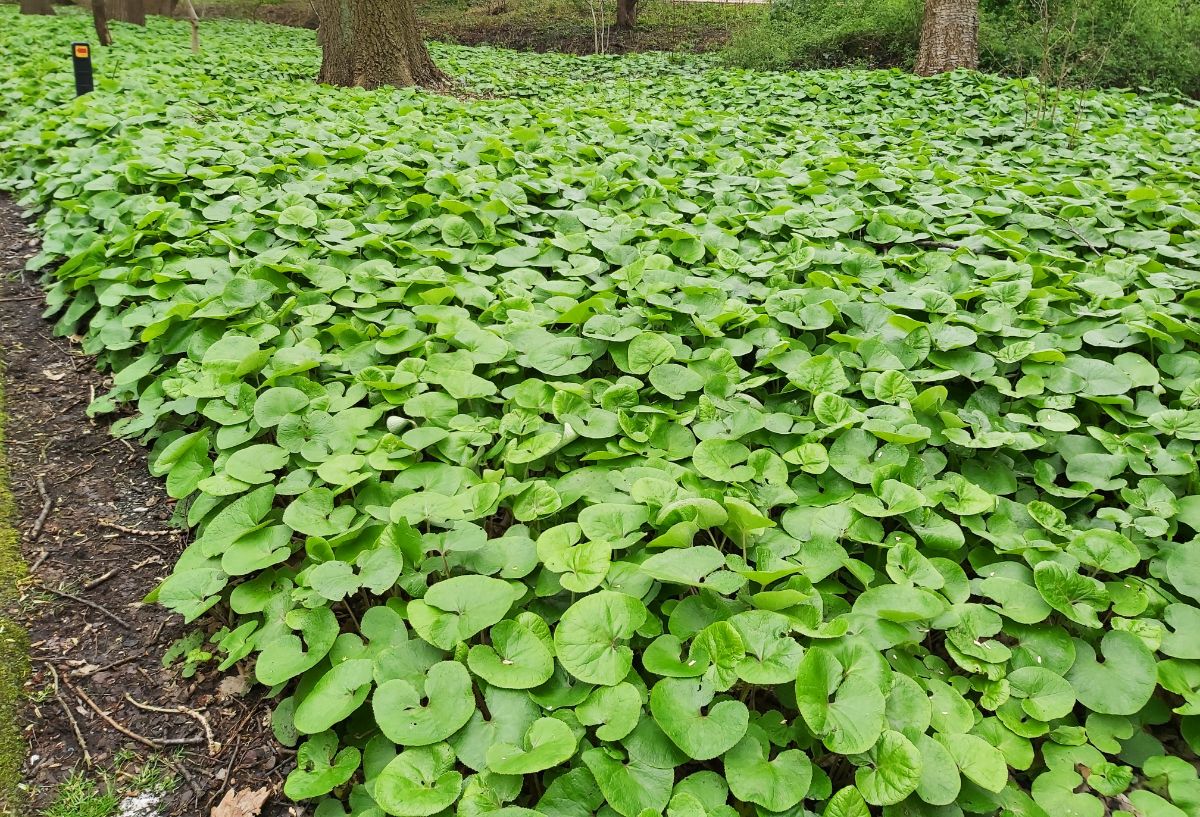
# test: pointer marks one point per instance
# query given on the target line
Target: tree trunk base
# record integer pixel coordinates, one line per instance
(42, 7)
(128, 11)
(949, 37)
(372, 44)
(100, 20)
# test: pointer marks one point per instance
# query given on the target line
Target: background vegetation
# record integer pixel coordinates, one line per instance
(1152, 44)
(1081, 43)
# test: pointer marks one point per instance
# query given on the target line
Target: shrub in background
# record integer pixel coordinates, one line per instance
(1080, 43)
(1090, 43)
(831, 34)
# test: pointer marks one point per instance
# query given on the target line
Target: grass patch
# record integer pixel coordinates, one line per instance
(14, 642)
(79, 796)
(100, 794)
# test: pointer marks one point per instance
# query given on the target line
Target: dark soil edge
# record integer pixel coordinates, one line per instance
(106, 539)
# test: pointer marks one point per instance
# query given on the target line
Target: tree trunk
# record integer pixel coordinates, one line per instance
(36, 7)
(129, 11)
(949, 36)
(195, 23)
(627, 14)
(100, 20)
(371, 43)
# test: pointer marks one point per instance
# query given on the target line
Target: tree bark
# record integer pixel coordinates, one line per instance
(195, 23)
(100, 20)
(36, 7)
(129, 11)
(627, 11)
(372, 43)
(949, 36)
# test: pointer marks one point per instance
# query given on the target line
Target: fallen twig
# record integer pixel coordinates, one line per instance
(87, 756)
(186, 775)
(225, 784)
(81, 673)
(97, 607)
(39, 561)
(47, 505)
(213, 746)
(76, 474)
(153, 743)
(99, 580)
(107, 523)
(141, 543)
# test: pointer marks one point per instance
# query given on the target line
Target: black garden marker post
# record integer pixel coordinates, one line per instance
(81, 56)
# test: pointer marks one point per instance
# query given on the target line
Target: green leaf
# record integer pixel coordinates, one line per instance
(1123, 683)
(517, 658)
(853, 720)
(722, 460)
(893, 770)
(616, 710)
(776, 784)
(980, 762)
(684, 710)
(420, 716)
(940, 782)
(1104, 549)
(547, 743)
(320, 768)
(630, 786)
(589, 639)
(1045, 695)
(648, 350)
(334, 697)
(847, 802)
(455, 609)
(418, 782)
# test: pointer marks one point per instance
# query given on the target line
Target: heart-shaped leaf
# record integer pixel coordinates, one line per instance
(589, 637)
(413, 716)
(684, 710)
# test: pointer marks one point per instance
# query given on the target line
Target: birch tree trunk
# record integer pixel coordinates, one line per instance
(949, 36)
(371, 43)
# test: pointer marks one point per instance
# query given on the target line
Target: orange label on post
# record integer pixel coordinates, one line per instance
(82, 51)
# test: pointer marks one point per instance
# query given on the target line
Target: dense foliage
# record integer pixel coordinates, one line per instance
(1081, 43)
(651, 438)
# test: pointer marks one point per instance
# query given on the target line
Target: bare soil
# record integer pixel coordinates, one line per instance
(95, 533)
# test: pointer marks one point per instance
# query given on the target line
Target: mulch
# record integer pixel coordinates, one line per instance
(95, 532)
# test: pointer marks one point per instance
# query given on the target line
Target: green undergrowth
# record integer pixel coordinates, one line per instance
(637, 437)
(101, 792)
(80, 796)
(14, 643)
(1078, 43)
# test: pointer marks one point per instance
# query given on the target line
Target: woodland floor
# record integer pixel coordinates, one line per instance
(540, 25)
(93, 525)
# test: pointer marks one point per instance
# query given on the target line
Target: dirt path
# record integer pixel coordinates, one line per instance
(93, 525)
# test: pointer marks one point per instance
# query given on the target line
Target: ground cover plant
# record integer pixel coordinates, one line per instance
(643, 437)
